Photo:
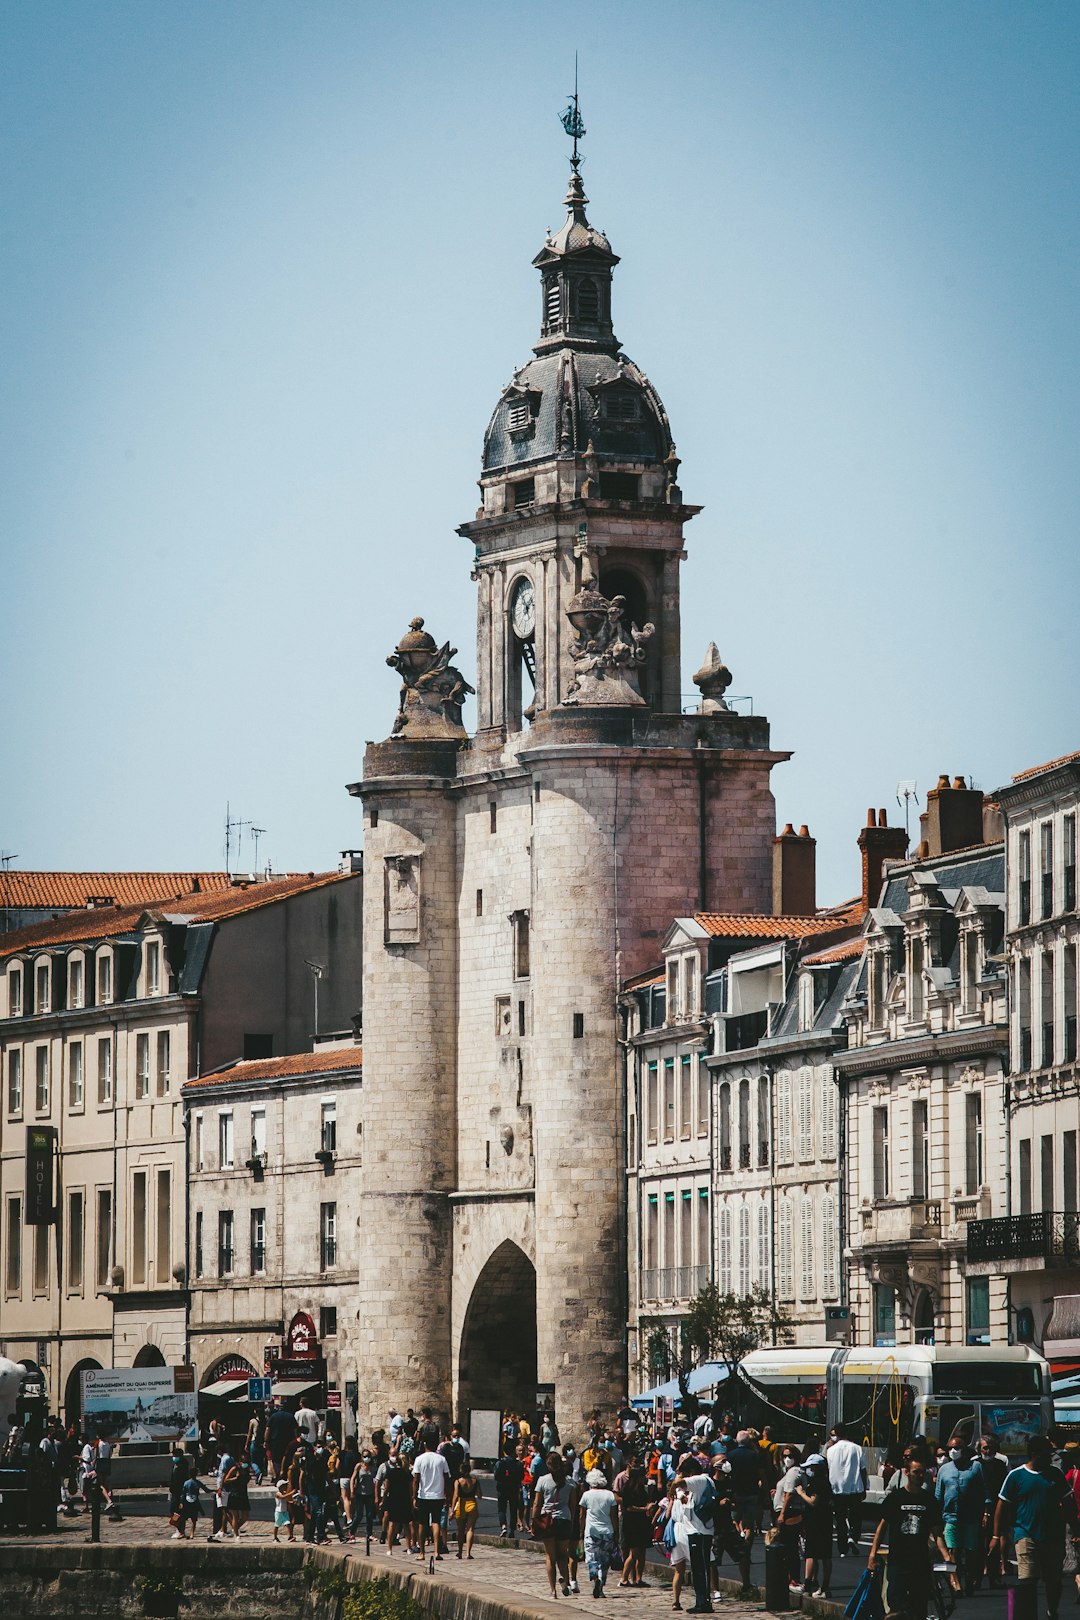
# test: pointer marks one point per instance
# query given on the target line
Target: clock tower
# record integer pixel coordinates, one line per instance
(518, 870)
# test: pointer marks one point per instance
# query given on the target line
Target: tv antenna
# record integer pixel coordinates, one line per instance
(233, 824)
(905, 792)
(6, 859)
(257, 833)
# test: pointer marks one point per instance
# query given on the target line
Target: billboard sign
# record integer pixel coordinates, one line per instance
(140, 1405)
(40, 1153)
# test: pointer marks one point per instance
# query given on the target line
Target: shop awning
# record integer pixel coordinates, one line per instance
(226, 1389)
(703, 1377)
(291, 1386)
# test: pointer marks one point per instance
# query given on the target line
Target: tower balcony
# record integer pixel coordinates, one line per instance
(1047, 1241)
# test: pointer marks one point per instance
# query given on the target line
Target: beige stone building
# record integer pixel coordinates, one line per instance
(104, 1013)
(273, 1151)
(516, 878)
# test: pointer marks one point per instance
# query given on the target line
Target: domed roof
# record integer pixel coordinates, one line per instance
(566, 399)
(576, 234)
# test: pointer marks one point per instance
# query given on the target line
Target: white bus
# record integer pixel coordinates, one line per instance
(885, 1398)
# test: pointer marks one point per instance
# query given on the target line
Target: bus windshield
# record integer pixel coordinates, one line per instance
(988, 1380)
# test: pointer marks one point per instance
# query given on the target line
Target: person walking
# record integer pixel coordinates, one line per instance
(255, 1446)
(1035, 1500)
(994, 1469)
(189, 1511)
(508, 1477)
(554, 1520)
(599, 1514)
(961, 1493)
(362, 1498)
(283, 1520)
(431, 1481)
(635, 1528)
(696, 1492)
(396, 1503)
(848, 1481)
(307, 1421)
(464, 1508)
(281, 1431)
(910, 1517)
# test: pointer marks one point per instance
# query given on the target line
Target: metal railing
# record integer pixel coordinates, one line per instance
(673, 1282)
(1049, 1235)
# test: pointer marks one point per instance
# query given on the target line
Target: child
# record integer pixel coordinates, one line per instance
(283, 1496)
(188, 1508)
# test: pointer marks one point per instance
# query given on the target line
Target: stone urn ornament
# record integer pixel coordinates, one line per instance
(712, 681)
(432, 690)
(606, 653)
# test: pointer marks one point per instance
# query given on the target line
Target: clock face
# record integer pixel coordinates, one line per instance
(523, 610)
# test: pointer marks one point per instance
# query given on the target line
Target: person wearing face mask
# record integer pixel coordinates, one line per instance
(787, 1510)
(961, 1495)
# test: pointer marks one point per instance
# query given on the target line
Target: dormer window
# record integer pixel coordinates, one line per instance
(15, 992)
(41, 987)
(76, 992)
(153, 968)
(620, 405)
(104, 979)
(519, 416)
(588, 300)
(552, 302)
(524, 493)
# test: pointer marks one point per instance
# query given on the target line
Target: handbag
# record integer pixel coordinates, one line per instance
(668, 1538)
(544, 1523)
(865, 1602)
(174, 1518)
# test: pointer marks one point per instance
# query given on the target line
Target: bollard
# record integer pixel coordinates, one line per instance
(777, 1567)
(95, 1511)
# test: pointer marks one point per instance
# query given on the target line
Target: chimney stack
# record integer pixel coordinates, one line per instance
(954, 816)
(879, 843)
(794, 873)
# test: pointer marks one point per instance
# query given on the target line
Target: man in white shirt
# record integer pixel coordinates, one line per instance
(431, 1482)
(847, 1476)
(307, 1421)
(695, 1492)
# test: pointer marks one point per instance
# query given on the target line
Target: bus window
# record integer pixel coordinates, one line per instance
(877, 1414)
(988, 1380)
(954, 1417)
(794, 1411)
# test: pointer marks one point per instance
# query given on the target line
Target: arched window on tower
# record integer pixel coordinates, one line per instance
(552, 301)
(588, 300)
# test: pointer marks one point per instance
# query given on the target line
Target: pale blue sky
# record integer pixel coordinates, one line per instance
(267, 266)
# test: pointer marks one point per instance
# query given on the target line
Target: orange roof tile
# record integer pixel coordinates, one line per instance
(745, 925)
(645, 981)
(846, 951)
(41, 891)
(282, 1068)
(106, 922)
(1051, 764)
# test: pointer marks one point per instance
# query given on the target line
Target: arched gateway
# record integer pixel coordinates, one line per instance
(497, 1365)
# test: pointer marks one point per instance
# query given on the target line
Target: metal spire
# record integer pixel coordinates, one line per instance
(572, 123)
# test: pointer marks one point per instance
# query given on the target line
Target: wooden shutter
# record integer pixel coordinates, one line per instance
(783, 1117)
(744, 1248)
(764, 1247)
(829, 1104)
(807, 1288)
(785, 1260)
(830, 1255)
(725, 1248)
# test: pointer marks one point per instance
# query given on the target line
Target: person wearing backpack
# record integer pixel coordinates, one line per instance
(696, 1492)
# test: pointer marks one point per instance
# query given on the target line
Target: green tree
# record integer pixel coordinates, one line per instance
(726, 1328)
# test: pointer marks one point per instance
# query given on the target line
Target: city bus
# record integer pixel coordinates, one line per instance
(888, 1397)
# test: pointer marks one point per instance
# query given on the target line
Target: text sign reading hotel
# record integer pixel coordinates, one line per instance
(40, 1152)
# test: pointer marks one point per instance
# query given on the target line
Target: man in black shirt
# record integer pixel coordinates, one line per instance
(508, 1476)
(994, 1468)
(911, 1516)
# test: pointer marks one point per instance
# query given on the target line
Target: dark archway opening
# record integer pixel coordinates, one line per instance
(73, 1391)
(923, 1318)
(497, 1367)
(149, 1356)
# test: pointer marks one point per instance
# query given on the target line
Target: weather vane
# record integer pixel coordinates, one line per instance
(572, 121)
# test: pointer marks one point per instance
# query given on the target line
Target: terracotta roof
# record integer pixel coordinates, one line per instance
(645, 981)
(281, 1068)
(847, 951)
(106, 922)
(1051, 764)
(745, 925)
(42, 891)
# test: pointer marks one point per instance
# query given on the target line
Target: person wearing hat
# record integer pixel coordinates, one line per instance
(599, 1515)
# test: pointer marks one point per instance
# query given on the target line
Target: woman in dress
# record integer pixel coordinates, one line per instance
(464, 1507)
(636, 1527)
(554, 1520)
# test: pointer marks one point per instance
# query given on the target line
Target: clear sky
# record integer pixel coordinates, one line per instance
(266, 268)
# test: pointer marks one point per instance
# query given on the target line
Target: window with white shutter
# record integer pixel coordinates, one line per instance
(830, 1256)
(829, 1110)
(725, 1249)
(805, 1117)
(764, 1247)
(807, 1280)
(783, 1117)
(744, 1248)
(785, 1258)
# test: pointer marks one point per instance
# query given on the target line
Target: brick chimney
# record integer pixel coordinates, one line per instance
(954, 816)
(879, 843)
(794, 873)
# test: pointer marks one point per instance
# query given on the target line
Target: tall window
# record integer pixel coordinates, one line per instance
(973, 1140)
(258, 1240)
(327, 1236)
(920, 1150)
(164, 1061)
(686, 1097)
(76, 988)
(669, 1099)
(881, 1152)
(163, 1256)
(785, 1248)
(225, 1243)
(1069, 862)
(1024, 865)
(75, 1075)
(744, 1249)
(41, 991)
(138, 1227)
(199, 1243)
(804, 1118)
(652, 1101)
(764, 1247)
(725, 1126)
(652, 1233)
(75, 1242)
(15, 992)
(744, 1124)
(724, 1249)
(328, 1127)
(916, 986)
(807, 1289)
(588, 300)
(1025, 1175)
(783, 1117)
(103, 1257)
(104, 979)
(258, 1133)
(142, 1065)
(153, 968)
(690, 987)
(104, 1071)
(13, 1270)
(884, 1315)
(226, 1155)
(704, 1244)
(763, 1121)
(41, 1079)
(198, 1152)
(686, 1232)
(830, 1248)
(1023, 1005)
(520, 924)
(14, 1081)
(1068, 1172)
(702, 1099)
(668, 1236)
(1069, 1005)
(1046, 867)
(41, 1259)
(1046, 1172)
(1047, 995)
(970, 973)
(977, 1290)
(878, 977)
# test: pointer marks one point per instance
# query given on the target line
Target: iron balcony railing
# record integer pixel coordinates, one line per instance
(673, 1282)
(1053, 1236)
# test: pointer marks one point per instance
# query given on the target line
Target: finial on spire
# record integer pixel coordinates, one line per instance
(572, 121)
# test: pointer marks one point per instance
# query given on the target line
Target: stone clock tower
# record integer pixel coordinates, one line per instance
(517, 875)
